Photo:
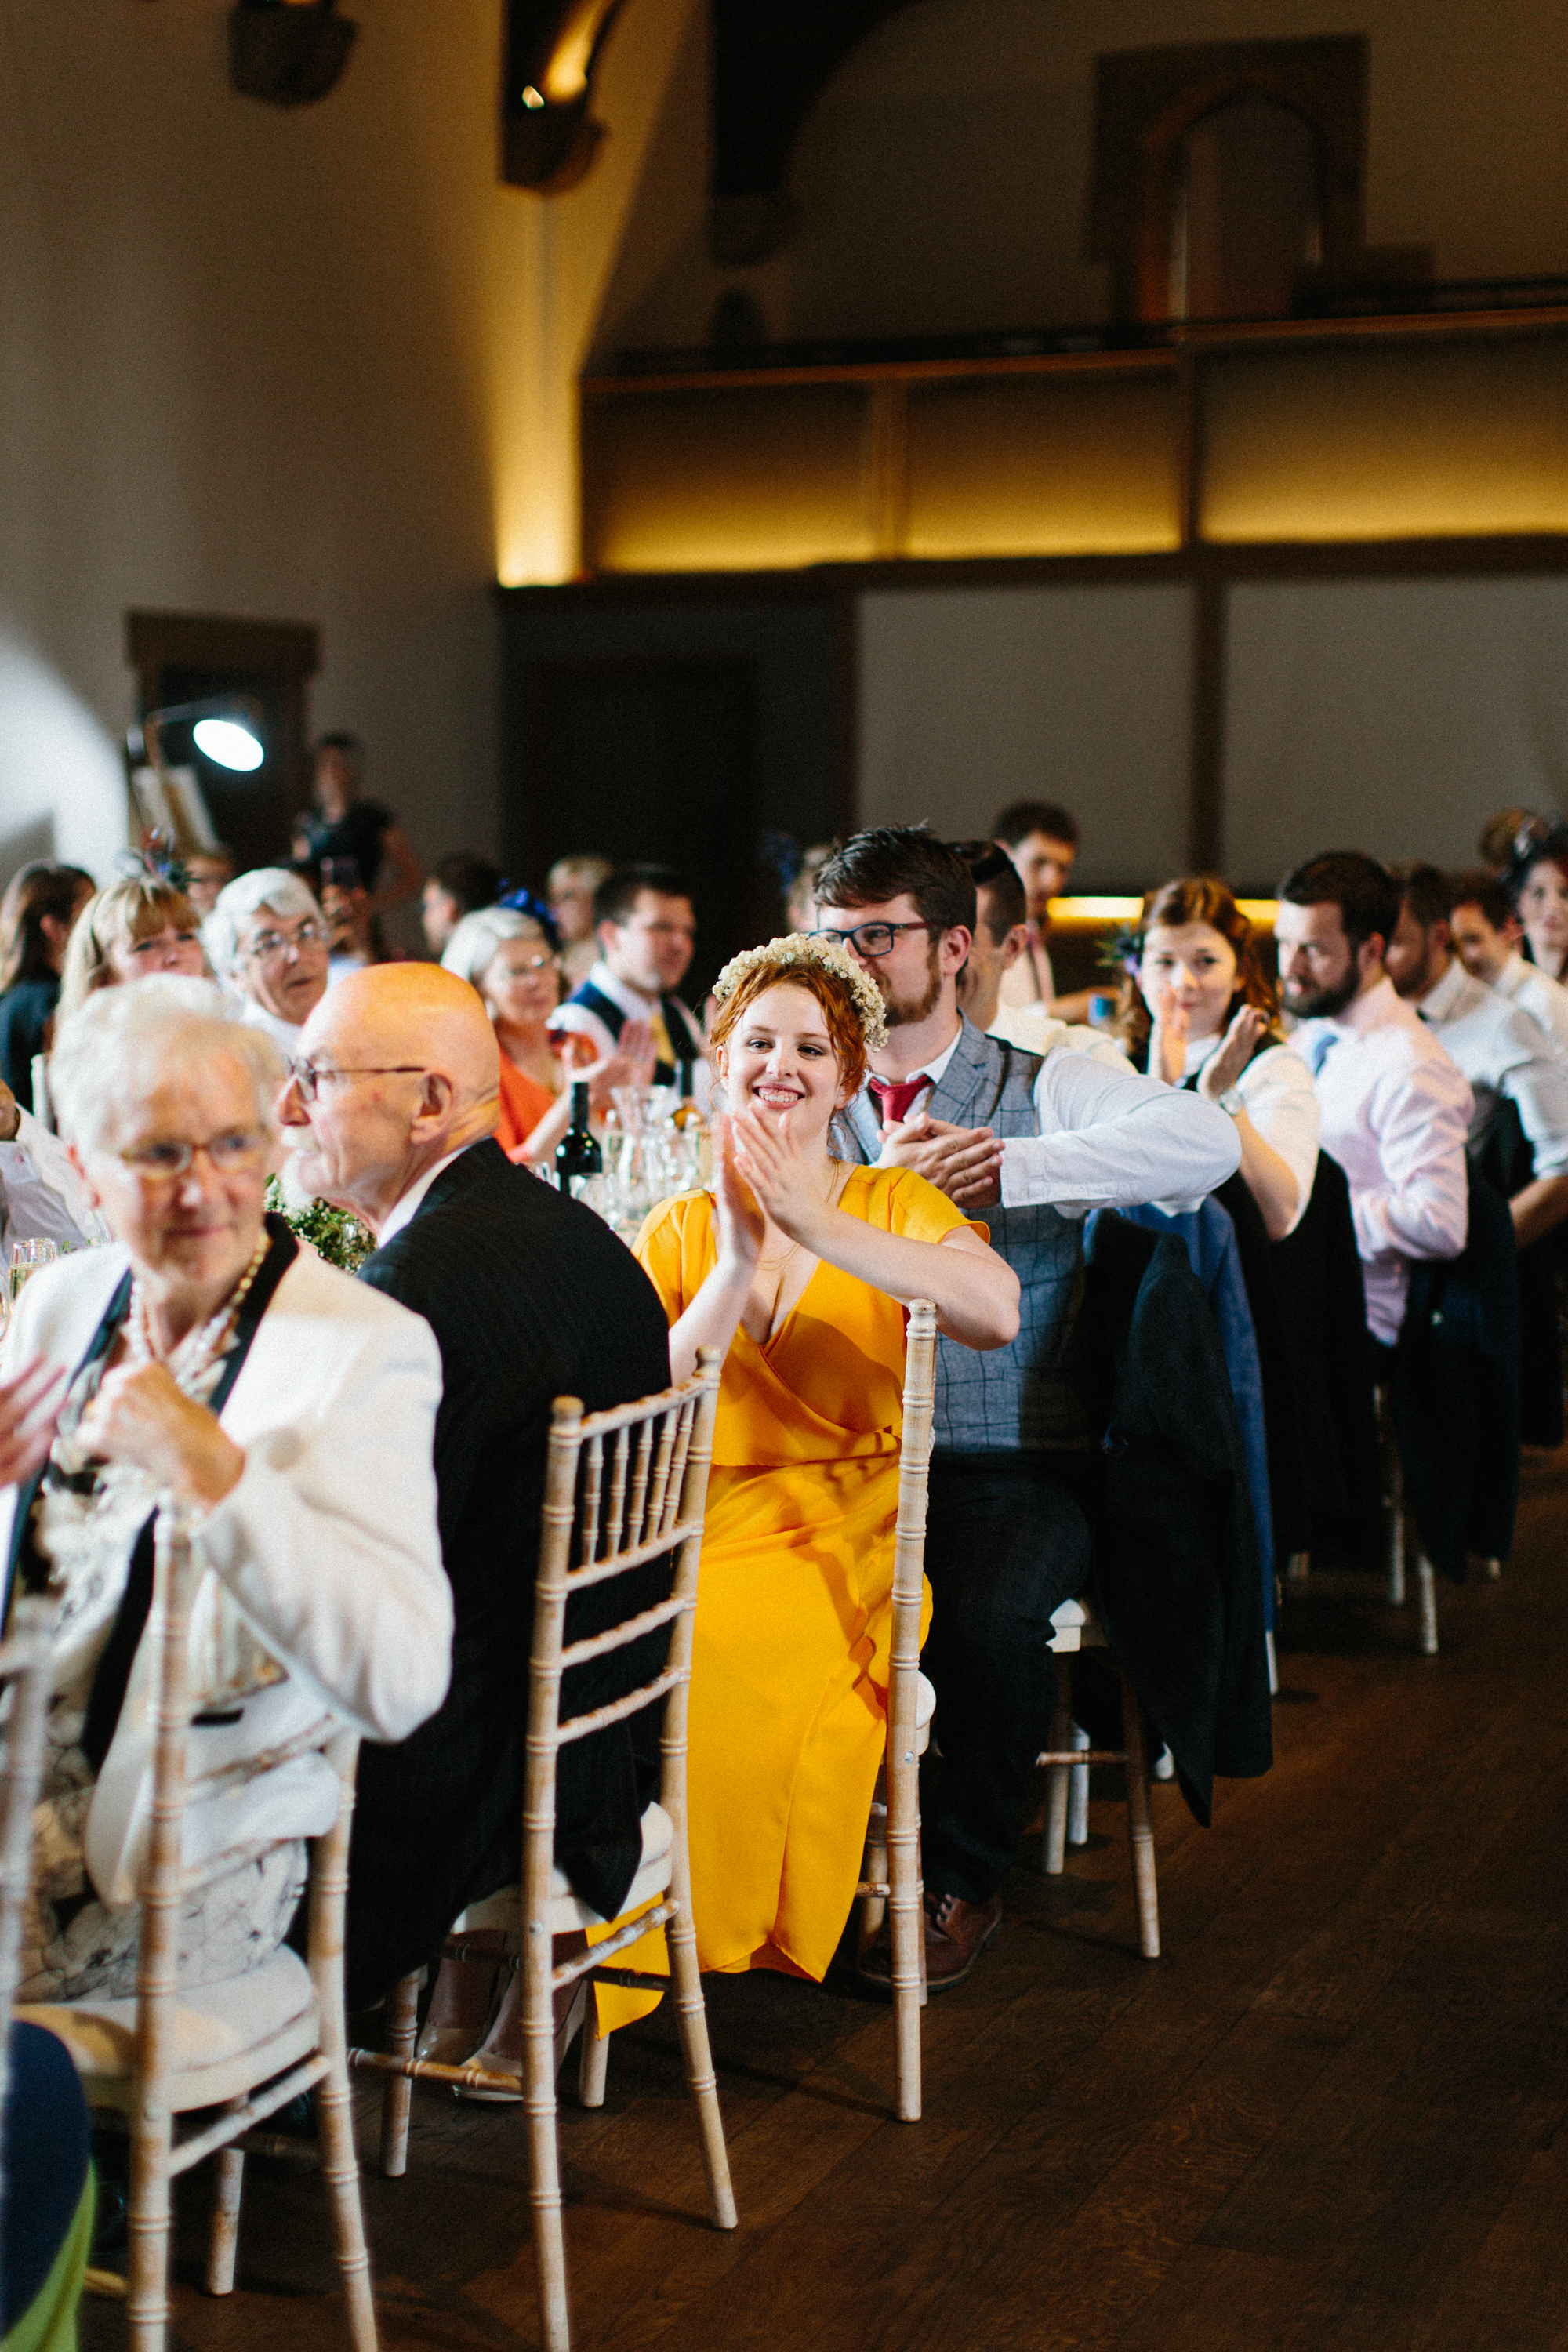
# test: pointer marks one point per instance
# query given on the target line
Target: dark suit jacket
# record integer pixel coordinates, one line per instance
(531, 1297)
(1175, 1571)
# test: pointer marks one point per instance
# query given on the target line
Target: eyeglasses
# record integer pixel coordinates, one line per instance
(239, 1153)
(871, 939)
(309, 1078)
(533, 964)
(310, 934)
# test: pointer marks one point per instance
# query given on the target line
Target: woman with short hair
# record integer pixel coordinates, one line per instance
(1536, 880)
(135, 928)
(289, 1411)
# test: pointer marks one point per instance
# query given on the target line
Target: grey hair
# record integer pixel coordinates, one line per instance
(473, 946)
(123, 1040)
(267, 886)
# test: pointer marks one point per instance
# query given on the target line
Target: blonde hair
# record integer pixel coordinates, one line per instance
(137, 909)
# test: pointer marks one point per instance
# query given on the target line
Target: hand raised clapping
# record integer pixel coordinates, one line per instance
(29, 1412)
(1168, 1038)
(1223, 1068)
(964, 1162)
(782, 1180)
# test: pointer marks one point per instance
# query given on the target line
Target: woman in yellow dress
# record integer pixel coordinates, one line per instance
(799, 1267)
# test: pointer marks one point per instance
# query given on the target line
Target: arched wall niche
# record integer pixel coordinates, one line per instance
(1149, 103)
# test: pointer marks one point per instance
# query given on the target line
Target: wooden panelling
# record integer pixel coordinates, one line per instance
(1385, 441)
(743, 478)
(1058, 465)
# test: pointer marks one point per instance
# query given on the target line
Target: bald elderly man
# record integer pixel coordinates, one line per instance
(394, 1100)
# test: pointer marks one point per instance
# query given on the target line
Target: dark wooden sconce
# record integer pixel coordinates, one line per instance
(549, 138)
(290, 55)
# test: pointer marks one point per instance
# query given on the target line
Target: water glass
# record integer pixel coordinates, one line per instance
(26, 1258)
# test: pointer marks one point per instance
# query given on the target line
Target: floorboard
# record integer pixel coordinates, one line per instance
(1334, 2115)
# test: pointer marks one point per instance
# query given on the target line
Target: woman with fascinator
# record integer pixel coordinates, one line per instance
(798, 1267)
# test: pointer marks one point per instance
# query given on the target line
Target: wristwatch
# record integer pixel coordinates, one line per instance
(1231, 1101)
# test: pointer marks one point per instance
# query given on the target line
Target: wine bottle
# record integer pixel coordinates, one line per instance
(577, 1155)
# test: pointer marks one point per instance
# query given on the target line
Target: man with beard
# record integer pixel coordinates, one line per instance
(1395, 1110)
(1031, 1146)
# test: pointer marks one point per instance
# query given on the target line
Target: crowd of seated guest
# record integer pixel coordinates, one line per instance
(903, 1106)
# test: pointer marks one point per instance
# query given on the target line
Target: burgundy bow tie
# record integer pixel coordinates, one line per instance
(896, 1097)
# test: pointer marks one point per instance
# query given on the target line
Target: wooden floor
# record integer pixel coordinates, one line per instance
(1334, 2115)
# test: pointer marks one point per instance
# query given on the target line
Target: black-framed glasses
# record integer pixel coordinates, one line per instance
(871, 939)
(309, 1077)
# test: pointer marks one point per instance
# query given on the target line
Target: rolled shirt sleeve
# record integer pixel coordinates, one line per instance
(1115, 1141)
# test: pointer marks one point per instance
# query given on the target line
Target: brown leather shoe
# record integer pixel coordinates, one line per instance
(956, 1933)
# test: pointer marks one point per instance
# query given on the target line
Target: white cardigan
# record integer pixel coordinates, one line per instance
(328, 1547)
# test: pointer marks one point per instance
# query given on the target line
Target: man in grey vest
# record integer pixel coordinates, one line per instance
(1029, 1146)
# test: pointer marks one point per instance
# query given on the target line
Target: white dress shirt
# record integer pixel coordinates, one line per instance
(1502, 1052)
(1029, 979)
(1278, 1096)
(407, 1207)
(1536, 992)
(1394, 1114)
(1109, 1140)
(44, 1199)
(635, 1006)
(1035, 1031)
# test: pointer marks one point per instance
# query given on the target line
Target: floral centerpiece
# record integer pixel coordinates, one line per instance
(335, 1234)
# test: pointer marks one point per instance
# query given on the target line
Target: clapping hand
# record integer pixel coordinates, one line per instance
(30, 1411)
(782, 1182)
(1222, 1069)
(1168, 1038)
(631, 1063)
(964, 1162)
(741, 1222)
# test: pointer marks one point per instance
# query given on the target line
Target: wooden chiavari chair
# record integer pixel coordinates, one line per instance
(1076, 1627)
(24, 1659)
(892, 1876)
(169, 2051)
(629, 1485)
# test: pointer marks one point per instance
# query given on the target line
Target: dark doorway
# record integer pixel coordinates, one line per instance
(653, 759)
(185, 657)
(1248, 211)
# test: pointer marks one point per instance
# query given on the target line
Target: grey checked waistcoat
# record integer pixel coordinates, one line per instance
(1020, 1398)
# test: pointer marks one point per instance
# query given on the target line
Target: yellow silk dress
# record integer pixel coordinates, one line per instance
(790, 1659)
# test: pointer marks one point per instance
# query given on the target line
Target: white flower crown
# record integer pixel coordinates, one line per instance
(800, 948)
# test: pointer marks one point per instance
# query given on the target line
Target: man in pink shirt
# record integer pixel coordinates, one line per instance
(1395, 1110)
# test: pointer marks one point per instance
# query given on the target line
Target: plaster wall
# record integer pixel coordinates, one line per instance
(940, 181)
(314, 365)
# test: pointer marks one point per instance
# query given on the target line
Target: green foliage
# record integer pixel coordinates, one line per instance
(335, 1234)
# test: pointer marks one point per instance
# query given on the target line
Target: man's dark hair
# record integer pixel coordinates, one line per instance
(1425, 891)
(992, 870)
(1481, 889)
(615, 898)
(888, 860)
(472, 881)
(1365, 893)
(1021, 818)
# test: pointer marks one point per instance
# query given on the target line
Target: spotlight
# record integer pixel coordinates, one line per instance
(229, 742)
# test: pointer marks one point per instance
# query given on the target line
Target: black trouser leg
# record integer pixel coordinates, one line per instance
(1007, 1543)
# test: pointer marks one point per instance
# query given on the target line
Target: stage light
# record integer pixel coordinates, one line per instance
(230, 742)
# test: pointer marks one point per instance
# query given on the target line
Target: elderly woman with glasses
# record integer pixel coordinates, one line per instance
(289, 1411)
(267, 936)
(511, 959)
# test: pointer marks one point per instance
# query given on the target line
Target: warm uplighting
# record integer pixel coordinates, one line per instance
(1090, 913)
(1390, 442)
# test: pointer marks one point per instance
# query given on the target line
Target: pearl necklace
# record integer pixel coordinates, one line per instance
(199, 1350)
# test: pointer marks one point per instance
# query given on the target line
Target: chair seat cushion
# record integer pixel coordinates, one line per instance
(215, 2027)
(925, 1708)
